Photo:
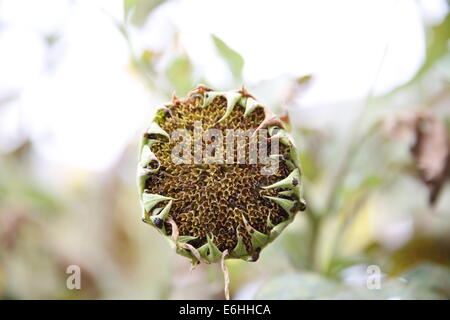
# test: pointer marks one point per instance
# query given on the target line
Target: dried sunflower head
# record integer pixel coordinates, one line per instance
(236, 185)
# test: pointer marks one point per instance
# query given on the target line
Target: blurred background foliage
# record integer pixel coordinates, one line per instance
(376, 166)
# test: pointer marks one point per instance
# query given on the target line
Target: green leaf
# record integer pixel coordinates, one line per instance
(137, 11)
(372, 181)
(431, 277)
(41, 199)
(232, 58)
(304, 79)
(179, 74)
(147, 58)
(297, 286)
(437, 48)
(310, 167)
(427, 281)
(150, 200)
(437, 44)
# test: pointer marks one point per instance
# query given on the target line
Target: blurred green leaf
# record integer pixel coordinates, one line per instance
(437, 45)
(309, 166)
(431, 277)
(394, 289)
(232, 58)
(297, 286)
(40, 199)
(129, 5)
(367, 184)
(424, 283)
(179, 74)
(295, 245)
(137, 11)
(147, 57)
(304, 79)
(337, 265)
(372, 181)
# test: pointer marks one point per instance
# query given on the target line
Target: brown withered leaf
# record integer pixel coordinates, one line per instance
(431, 152)
(430, 148)
(10, 226)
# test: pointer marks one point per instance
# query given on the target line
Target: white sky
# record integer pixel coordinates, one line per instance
(82, 109)
(340, 42)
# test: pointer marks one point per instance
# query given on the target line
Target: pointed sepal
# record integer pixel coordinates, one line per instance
(148, 156)
(185, 239)
(291, 181)
(250, 106)
(150, 200)
(232, 98)
(276, 132)
(142, 177)
(160, 214)
(209, 250)
(258, 239)
(156, 129)
(287, 205)
(210, 96)
(239, 250)
(275, 232)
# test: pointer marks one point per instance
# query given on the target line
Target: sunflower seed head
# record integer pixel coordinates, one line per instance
(205, 208)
